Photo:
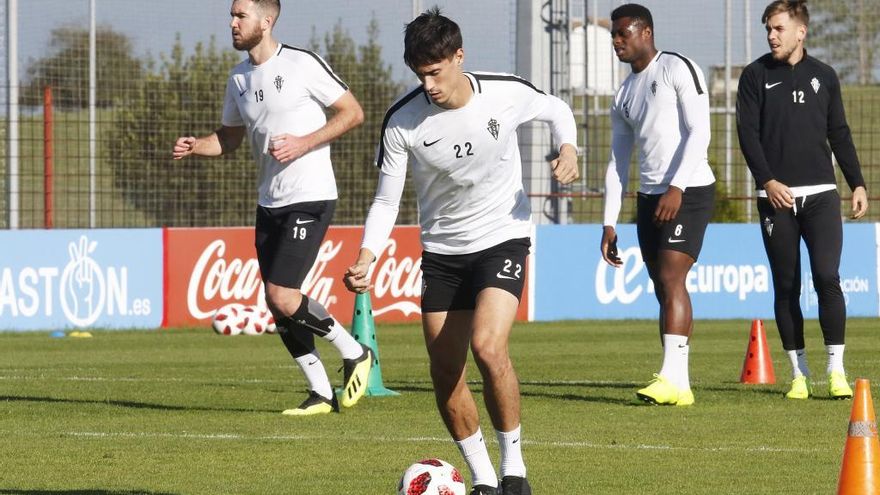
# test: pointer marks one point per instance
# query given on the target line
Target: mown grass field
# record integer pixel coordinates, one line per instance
(190, 412)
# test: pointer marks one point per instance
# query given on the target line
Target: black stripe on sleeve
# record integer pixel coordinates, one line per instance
(320, 61)
(504, 77)
(397, 106)
(690, 67)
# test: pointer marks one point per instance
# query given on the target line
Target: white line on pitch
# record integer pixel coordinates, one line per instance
(540, 443)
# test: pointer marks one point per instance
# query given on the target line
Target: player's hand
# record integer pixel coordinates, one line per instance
(668, 206)
(565, 167)
(286, 147)
(183, 147)
(779, 194)
(608, 247)
(859, 202)
(355, 278)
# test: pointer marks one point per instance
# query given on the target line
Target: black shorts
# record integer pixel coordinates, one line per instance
(685, 232)
(288, 239)
(452, 282)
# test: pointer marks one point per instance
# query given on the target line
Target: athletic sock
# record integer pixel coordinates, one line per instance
(798, 360)
(675, 354)
(835, 358)
(473, 449)
(344, 342)
(511, 453)
(314, 317)
(315, 373)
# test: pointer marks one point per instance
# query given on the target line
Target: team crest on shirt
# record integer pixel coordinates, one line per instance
(815, 84)
(279, 81)
(654, 88)
(493, 127)
(768, 226)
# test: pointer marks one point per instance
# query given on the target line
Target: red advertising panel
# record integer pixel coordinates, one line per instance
(206, 268)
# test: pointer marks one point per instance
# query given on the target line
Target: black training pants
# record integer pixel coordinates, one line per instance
(816, 218)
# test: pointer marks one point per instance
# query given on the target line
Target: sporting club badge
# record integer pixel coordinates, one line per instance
(279, 81)
(768, 226)
(493, 127)
(815, 84)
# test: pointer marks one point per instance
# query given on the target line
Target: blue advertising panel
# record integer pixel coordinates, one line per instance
(731, 279)
(58, 279)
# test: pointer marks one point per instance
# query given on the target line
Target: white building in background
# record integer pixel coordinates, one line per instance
(594, 67)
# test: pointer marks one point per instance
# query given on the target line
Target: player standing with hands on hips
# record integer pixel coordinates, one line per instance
(458, 129)
(662, 106)
(278, 96)
(788, 111)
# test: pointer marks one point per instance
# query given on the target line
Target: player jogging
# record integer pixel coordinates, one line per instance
(458, 130)
(278, 96)
(790, 118)
(663, 107)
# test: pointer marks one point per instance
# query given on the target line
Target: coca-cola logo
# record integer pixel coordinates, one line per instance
(397, 278)
(216, 281)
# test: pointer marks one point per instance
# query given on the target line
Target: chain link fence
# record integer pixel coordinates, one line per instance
(160, 75)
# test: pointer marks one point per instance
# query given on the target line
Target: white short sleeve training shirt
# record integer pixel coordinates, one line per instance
(286, 94)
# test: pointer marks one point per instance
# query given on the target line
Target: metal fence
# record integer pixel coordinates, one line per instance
(106, 146)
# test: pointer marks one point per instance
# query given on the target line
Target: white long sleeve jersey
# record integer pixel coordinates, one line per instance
(665, 110)
(466, 164)
(286, 94)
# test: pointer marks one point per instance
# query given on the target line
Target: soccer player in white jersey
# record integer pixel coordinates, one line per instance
(458, 131)
(663, 107)
(278, 96)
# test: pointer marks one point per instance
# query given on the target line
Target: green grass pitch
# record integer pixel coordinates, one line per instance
(190, 412)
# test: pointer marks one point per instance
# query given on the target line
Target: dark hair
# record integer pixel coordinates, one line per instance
(796, 9)
(634, 11)
(430, 38)
(271, 7)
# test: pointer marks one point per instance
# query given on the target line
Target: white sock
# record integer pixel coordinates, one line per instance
(798, 360)
(511, 453)
(835, 358)
(344, 342)
(675, 360)
(473, 449)
(316, 375)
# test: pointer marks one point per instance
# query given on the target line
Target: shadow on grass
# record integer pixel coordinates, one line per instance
(129, 404)
(86, 491)
(477, 389)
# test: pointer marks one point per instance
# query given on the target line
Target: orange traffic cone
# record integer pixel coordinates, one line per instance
(757, 367)
(860, 472)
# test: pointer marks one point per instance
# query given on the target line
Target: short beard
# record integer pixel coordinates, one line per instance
(248, 42)
(783, 56)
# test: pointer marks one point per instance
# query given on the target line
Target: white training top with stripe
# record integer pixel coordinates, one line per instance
(466, 165)
(665, 109)
(286, 94)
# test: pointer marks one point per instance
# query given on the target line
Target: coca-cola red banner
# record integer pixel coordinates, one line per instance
(207, 268)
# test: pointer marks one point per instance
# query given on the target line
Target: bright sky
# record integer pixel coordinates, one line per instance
(692, 27)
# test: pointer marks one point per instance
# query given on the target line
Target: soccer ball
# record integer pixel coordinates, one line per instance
(269, 319)
(229, 319)
(254, 320)
(431, 477)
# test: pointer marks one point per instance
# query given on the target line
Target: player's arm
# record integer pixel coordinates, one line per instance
(559, 116)
(616, 178)
(392, 161)
(840, 139)
(348, 115)
(223, 140)
(748, 125)
(694, 104)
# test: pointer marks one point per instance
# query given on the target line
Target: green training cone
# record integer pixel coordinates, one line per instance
(364, 331)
